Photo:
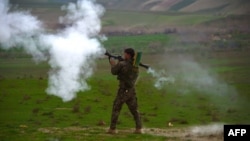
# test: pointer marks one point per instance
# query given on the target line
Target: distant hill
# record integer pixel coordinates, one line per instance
(216, 6)
(197, 6)
(40, 3)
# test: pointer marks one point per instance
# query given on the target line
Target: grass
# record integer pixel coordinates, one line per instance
(147, 20)
(28, 112)
(146, 43)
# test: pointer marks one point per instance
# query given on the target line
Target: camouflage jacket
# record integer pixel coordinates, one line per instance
(126, 73)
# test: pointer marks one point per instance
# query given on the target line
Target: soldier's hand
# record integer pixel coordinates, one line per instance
(112, 61)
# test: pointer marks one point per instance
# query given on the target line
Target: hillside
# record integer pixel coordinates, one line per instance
(221, 6)
(208, 6)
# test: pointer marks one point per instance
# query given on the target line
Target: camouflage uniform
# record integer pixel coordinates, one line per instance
(127, 75)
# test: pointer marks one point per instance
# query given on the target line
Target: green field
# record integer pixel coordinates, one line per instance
(146, 43)
(153, 20)
(27, 112)
(128, 20)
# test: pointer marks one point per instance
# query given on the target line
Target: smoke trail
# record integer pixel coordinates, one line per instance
(193, 75)
(189, 75)
(161, 78)
(71, 51)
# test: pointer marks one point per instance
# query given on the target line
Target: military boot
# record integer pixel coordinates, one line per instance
(138, 131)
(112, 131)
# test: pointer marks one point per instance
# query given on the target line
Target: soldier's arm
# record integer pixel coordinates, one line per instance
(115, 69)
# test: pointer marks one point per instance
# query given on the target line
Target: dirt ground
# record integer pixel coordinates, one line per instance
(212, 132)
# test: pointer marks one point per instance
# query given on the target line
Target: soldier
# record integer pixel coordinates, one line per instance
(127, 75)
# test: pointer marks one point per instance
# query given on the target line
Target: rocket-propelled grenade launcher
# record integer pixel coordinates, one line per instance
(137, 59)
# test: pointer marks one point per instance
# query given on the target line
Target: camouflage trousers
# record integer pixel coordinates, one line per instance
(127, 96)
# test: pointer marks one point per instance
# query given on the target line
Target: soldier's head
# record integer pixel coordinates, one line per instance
(129, 53)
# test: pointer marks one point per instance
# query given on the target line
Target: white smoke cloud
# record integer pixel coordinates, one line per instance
(19, 28)
(161, 78)
(71, 51)
(193, 75)
(189, 75)
(15, 24)
(207, 130)
(74, 48)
